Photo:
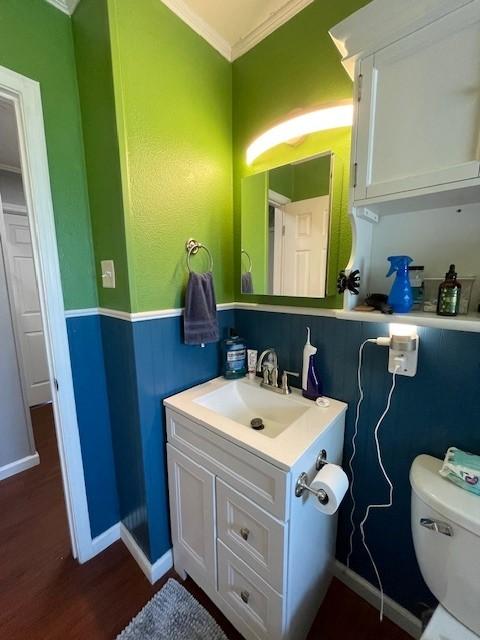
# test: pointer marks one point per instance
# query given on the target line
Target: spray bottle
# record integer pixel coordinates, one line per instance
(401, 295)
(311, 383)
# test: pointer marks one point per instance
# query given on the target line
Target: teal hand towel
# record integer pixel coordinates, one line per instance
(463, 469)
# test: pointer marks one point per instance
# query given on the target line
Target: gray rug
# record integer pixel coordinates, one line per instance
(172, 614)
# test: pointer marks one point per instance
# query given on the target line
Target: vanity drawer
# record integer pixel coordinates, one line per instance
(255, 478)
(252, 534)
(257, 605)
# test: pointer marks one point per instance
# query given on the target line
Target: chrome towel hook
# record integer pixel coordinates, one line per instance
(192, 247)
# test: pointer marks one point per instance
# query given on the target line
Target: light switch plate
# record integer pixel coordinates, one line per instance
(108, 274)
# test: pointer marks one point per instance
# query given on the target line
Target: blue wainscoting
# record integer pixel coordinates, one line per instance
(438, 408)
(90, 389)
(146, 362)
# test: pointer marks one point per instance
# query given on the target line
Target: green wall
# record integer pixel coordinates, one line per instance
(94, 71)
(255, 228)
(173, 95)
(36, 41)
(296, 67)
(311, 179)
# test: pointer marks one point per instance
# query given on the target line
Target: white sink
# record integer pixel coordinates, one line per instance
(242, 401)
(292, 423)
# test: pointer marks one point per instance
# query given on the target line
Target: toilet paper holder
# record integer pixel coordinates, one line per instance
(302, 480)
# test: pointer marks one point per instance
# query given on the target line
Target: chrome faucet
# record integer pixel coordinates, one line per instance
(269, 370)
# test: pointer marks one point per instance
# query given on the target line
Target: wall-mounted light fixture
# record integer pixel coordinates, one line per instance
(301, 125)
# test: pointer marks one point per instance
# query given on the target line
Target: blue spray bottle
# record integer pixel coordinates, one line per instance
(401, 296)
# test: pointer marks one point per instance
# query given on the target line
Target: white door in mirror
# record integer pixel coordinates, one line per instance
(305, 242)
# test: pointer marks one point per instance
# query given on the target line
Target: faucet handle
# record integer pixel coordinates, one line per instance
(285, 375)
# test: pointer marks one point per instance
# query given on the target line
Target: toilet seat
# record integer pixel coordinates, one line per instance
(443, 626)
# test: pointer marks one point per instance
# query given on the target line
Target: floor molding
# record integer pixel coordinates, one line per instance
(153, 571)
(12, 468)
(395, 612)
(105, 539)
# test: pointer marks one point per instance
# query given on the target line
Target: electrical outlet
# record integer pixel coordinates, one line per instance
(108, 274)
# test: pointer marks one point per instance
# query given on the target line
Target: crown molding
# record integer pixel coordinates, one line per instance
(200, 26)
(183, 11)
(67, 6)
(268, 26)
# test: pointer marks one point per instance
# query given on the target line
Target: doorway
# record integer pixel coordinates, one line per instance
(32, 315)
(24, 376)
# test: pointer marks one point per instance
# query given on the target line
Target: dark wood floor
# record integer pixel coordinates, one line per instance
(46, 595)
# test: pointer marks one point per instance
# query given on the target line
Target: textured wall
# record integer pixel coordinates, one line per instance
(438, 408)
(36, 41)
(173, 98)
(86, 354)
(296, 67)
(94, 72)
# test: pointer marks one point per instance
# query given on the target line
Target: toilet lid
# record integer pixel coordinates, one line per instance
(443, 626)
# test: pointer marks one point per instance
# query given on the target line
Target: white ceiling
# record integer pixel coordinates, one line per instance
(235, 26)
(9, 154)
(231, 26)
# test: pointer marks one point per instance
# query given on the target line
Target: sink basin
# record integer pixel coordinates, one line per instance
(242, 401)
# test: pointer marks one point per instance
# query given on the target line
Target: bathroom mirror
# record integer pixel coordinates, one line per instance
(285, 220)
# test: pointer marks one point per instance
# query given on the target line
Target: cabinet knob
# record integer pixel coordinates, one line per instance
(245, 596)
(244, 532)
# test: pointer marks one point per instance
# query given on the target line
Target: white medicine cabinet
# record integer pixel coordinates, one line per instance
(415, 185)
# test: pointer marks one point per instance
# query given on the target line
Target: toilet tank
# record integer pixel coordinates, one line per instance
(446, 536)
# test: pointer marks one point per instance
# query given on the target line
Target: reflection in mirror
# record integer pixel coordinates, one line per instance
(285, 229)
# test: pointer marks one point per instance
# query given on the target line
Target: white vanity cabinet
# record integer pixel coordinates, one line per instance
(419, 109)
(261, 554)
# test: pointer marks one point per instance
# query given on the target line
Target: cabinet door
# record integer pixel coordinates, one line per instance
(419, 111)
(192, 512)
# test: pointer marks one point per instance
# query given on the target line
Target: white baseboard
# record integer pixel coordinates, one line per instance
(23, 464)
(105, 539)
(395, 612)
(153, 571)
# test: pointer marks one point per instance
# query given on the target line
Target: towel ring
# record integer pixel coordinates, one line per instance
(192, 247)
(249, 260)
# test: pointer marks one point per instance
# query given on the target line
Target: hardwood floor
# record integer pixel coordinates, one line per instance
(46, 595)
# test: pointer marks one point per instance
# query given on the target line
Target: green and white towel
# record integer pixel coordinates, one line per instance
(463, 469)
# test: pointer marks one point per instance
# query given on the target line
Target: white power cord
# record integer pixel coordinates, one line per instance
(352, 457)
(381, 342)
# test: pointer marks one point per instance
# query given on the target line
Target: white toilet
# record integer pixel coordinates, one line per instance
(446, 535)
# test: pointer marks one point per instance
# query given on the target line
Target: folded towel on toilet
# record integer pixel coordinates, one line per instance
(462, 468)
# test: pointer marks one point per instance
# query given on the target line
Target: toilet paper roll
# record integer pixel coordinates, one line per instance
(333, 480)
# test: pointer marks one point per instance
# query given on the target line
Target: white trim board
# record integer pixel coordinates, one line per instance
(393, 611)
(17, 466)
(229, 51)
(276, 20)
(469, 323)
(66, 6)
(105, 539)
(152, 571)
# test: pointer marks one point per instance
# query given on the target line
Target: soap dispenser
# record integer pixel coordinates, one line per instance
(311, 383)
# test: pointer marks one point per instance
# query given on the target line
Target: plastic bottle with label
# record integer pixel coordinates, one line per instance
(235, 351)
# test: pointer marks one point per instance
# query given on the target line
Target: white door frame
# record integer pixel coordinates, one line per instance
(26, 97)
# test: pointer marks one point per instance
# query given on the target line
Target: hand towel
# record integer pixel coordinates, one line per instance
(463, 469)
(247, 282)
(200, 318)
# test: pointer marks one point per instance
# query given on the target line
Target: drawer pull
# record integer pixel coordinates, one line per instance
(244, 532)
(245, 596)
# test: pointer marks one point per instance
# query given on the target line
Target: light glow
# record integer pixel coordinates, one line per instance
(299, 126)
(409, 330)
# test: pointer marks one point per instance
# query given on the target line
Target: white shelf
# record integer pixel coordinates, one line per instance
(470, 322)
